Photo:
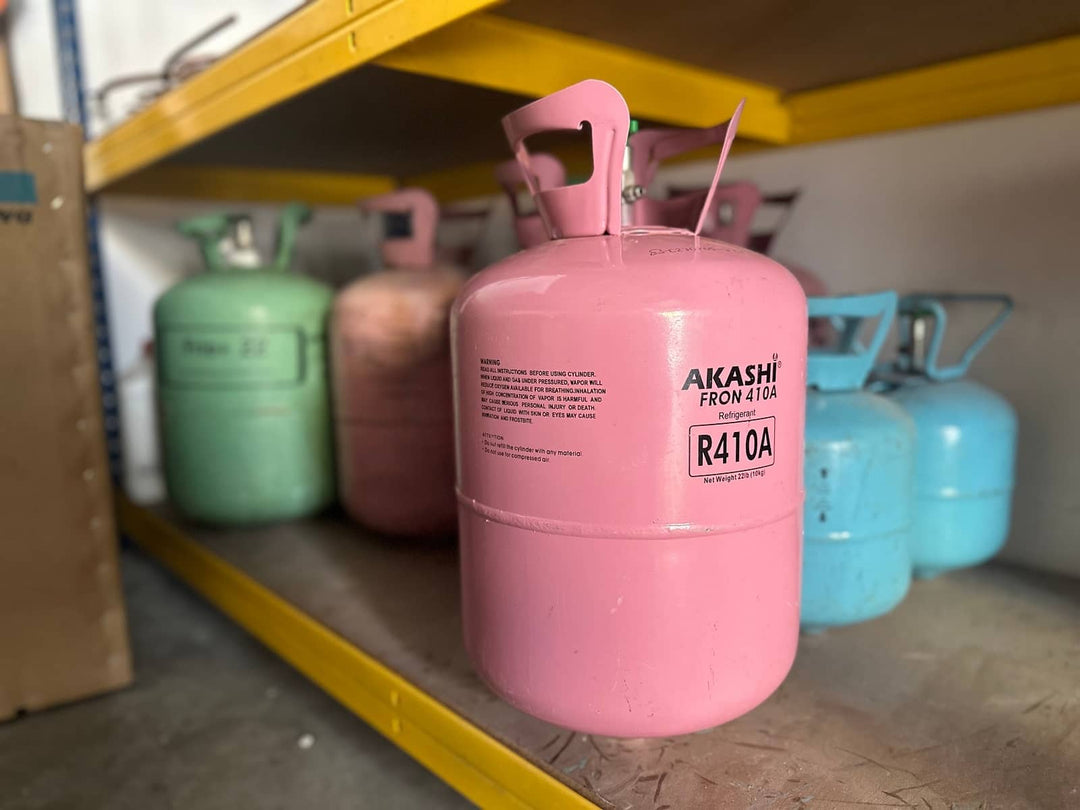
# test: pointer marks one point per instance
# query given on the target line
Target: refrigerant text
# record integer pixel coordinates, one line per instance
(522, 394)
(735, 396)
(731, 447)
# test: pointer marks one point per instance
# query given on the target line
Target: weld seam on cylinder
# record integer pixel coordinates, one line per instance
(955, 495)
(850, 538)
(576, 529)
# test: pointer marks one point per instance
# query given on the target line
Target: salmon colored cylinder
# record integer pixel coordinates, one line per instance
(392, 390)
(629, 408)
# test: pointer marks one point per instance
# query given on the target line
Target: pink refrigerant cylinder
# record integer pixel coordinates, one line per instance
(392, 386)
(629, 409)
(548, 172)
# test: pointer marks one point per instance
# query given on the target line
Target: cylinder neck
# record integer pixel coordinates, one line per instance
(238, 251)
(914, 345)
(227, 241)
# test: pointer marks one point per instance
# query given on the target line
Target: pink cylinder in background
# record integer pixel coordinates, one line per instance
(547, 172)
(390, 357)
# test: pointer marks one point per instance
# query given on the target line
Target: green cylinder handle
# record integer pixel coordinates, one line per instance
(208, 230)
(292, 217)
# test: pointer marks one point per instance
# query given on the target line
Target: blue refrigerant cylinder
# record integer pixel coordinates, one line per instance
(858, 475)
(966, 440)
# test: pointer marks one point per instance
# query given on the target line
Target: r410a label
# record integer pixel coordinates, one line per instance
(731, 447)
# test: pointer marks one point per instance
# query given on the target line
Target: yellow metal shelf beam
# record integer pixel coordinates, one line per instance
(458, 182)
(501, 54)
(1005, 82)
(1010, 81)
(250, 81)
(254, 185)
(300, 28)
(477, 765)
(449, 40)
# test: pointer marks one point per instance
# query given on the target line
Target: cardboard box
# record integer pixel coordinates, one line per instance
(63, 631)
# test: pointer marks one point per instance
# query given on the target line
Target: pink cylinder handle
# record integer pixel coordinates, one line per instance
(550, 173)
(678, 211)
(416, 251)
(650, 147)
(592, 208)
(743, 199)
(729, 138)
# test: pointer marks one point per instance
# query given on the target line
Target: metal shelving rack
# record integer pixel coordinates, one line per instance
(340, 61)
(934, 725)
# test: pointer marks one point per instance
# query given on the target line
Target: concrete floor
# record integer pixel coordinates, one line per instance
(213, 722)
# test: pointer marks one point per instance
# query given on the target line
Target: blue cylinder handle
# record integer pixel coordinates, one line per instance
(933, 305)
(845, 366)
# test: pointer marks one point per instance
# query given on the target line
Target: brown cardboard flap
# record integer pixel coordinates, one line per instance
(63, 632)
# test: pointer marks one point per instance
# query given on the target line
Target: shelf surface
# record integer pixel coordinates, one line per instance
(409, 88)
(967, 693)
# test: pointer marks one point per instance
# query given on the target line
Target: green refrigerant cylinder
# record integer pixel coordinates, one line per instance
(242, 380)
